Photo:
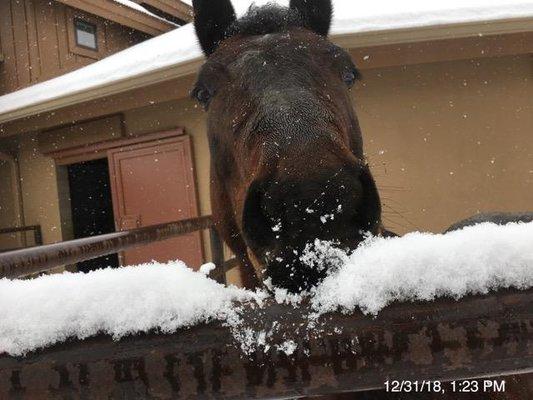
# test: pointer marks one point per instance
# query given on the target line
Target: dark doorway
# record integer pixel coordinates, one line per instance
(92, 207)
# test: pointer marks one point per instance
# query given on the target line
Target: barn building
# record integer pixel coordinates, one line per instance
(445, 105)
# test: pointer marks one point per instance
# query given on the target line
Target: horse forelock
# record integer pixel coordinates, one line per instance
(267, 19)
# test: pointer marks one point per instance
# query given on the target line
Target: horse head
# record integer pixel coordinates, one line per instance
(287, 161)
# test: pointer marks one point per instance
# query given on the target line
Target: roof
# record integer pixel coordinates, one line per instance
(135, 6)
(123, 12)
(176, 9)
(163, 7)
(176, 53)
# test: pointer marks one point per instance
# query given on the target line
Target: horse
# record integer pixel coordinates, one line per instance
(498, 218)
(287, 159)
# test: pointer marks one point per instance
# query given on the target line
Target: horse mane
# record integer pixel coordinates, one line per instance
(270, 18)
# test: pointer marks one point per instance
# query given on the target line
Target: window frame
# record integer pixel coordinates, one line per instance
(79, 20)
(81, 50)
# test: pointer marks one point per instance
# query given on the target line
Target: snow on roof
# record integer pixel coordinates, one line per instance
(137, 7)
(180, 46)
(419, 266)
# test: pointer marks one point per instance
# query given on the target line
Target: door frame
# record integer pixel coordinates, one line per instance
(98, 150)
(161, 139)
(116, 181)
(94, 151)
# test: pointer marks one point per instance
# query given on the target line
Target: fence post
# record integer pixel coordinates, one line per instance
(217, 255)
(38, 235)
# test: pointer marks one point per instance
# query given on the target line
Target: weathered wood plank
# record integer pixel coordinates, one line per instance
(479, 336)
(8, 73)
(33, 39)
(22, 45)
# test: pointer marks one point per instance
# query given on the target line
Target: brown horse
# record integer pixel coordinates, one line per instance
(498, 218)
(287, 162)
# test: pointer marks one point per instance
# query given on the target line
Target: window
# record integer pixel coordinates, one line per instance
(85, 33)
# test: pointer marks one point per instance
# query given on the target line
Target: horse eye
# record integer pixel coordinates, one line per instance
(348, 77)
(202, 95)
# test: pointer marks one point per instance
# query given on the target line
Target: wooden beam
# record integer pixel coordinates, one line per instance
(445, 340)
(176, 8)
(123, 15)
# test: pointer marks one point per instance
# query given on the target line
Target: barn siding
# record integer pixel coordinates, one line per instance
(34, 39)
(34, 54)
(448, 140)
(18, 13)
(9, 77)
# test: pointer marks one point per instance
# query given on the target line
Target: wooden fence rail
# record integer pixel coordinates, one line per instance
(445, 340)
(36, 229)
(19, 263)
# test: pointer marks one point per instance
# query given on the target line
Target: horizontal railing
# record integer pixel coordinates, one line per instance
(24, 262)
(425, 343)
(36, 229)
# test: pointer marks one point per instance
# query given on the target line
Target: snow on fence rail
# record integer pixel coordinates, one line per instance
(164, 298)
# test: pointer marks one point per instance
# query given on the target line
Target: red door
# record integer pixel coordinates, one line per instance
(153, 183)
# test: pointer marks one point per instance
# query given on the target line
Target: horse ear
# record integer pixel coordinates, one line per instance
(316, 14)
(212, 18)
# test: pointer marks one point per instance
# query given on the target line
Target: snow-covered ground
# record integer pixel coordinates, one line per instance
(180, 46)
(419, 266)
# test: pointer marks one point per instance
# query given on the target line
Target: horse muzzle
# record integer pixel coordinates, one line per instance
(282, 217)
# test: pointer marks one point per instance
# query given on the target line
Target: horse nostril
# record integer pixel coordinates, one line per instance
(256, 225)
